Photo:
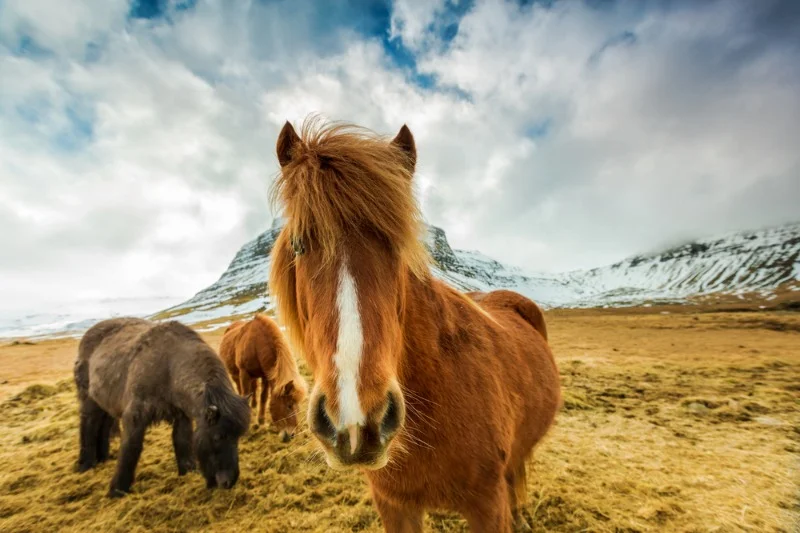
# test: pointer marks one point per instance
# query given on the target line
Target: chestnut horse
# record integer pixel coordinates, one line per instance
(256, 350)
(439, 398)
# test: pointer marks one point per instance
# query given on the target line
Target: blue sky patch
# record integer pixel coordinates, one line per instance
(626, 38)
(80, 131)
(27, 46)
(148, 9)
(538, 130)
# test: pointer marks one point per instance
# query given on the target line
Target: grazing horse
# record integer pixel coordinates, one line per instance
(438, 398)
(143, 372)
(256, 350)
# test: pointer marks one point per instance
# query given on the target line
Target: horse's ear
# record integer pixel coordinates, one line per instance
(287, 389)
(212, 414)
(405, 141)
(287, 140)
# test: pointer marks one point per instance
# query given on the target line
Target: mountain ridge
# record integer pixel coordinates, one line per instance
(735, 263)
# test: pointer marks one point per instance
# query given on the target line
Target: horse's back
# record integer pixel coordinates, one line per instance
(105, 354)
(105, 330)
(505, 299)
(258, 345)
(268, 332)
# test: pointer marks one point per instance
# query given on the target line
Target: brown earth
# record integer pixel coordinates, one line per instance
(674, 420)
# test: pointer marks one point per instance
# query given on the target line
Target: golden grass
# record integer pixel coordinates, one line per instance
(680, 422)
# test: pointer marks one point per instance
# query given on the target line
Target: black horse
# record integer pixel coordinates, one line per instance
(142, 372)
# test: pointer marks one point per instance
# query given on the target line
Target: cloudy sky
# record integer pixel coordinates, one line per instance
(137, 137)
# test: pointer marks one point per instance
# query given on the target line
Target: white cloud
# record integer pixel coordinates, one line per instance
(576, 142)
(61, 26)
(412, 19)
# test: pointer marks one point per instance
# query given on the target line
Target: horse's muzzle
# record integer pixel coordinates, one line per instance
(226, 480)
(359, 445)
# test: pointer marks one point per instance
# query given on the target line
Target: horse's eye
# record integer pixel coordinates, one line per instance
(297, 246)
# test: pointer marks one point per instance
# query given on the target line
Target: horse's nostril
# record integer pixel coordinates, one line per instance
(321, 422)
(392, 418)
(225, 480)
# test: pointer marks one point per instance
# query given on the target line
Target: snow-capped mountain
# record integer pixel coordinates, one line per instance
(744, 262)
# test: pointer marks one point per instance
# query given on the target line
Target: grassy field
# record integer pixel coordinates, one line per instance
(673, 421)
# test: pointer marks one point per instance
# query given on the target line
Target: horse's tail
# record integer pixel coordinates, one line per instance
(520, 488)
(81, 374)
(81, 368)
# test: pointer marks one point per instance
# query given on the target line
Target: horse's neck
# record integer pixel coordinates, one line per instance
(425, 306)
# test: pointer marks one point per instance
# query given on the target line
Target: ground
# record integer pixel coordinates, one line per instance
(675, 419)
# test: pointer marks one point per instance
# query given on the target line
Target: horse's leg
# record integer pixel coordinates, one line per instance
(516, 480)
(253, 390)
(104, 436)
(236, 376)
(182, 443)
(491, 513)
(398, 519)
(133, 429)
(262, 402)
(91, 416)
(245, 382)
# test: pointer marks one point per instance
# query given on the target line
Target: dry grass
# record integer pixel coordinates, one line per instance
(679, 422)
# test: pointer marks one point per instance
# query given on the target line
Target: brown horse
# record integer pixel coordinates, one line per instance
(256, 350)
(439, 398)
(143, 372)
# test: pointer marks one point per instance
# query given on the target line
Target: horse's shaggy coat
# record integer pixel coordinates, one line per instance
(255, 350)
(453, 391)
(141, 372)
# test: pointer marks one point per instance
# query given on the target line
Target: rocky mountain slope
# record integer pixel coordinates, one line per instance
(745, 262)
(737, 263)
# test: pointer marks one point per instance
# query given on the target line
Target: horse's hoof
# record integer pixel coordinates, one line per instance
(83, 467)
(116, 493)
(184, 469)
(521, 525)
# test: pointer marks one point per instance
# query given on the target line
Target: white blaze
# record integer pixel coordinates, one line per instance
(348, 350)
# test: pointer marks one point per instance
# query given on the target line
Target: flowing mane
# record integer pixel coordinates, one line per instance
(342, 180)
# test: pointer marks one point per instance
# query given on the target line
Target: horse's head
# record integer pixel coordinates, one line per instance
(284, 401)
(225, 418)
(339, 275)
